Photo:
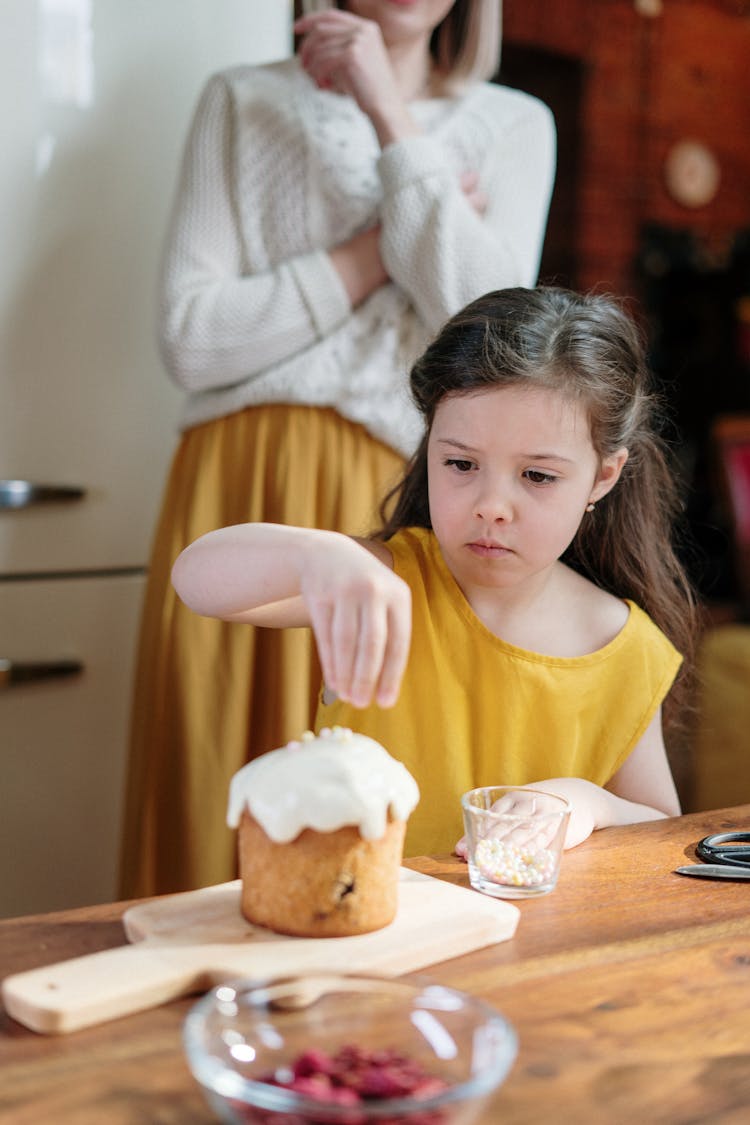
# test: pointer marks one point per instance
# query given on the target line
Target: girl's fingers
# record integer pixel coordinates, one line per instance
(518, 803)
(395, 655)
(371, 645)
(321, 619)
(504, 805)
(369, 648)
(344, 638)
(361, 616)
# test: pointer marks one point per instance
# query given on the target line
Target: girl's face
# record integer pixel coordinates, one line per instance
(402, 20)
(510, 472)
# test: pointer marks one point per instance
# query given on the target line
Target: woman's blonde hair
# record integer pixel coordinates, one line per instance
(465, 45)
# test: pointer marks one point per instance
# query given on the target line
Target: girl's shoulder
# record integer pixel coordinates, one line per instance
(591, 617)
(598, 618)
(379, 549)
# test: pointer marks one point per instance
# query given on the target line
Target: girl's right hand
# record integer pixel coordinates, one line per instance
(360, 612)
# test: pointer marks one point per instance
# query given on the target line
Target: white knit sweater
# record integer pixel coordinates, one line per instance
(275, 173)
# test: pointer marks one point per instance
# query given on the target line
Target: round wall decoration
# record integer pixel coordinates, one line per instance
(691, 173)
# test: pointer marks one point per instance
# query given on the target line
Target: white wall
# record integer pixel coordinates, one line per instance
(96, 97)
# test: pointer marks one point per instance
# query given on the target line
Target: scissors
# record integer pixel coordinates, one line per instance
(725, 855)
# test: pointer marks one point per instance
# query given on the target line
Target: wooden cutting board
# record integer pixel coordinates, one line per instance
(187, 943)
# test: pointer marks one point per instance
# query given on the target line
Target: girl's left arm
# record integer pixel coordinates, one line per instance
(444, 252)
(642, 789)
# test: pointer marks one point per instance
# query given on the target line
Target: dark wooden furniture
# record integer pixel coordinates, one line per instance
(629, 987)
(730, 448)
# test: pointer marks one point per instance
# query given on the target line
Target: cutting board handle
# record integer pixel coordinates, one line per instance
(187, 943)
(101, 986)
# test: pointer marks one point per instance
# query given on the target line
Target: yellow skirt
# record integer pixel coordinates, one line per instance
(209, 696)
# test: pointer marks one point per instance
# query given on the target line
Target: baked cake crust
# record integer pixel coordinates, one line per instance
(321, 884)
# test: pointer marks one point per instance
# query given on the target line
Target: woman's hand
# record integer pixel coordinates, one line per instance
(346, 53)
(474, 196)
(358, 261)
(360, 612)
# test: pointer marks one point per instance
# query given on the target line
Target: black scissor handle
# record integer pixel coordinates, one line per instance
(711, 849)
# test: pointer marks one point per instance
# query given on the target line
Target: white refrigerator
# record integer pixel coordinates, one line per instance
(96, 98)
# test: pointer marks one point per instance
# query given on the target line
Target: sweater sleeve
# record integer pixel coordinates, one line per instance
(218, 324)
(435, 245)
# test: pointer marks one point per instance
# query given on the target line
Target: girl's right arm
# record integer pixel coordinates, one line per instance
(275, 575)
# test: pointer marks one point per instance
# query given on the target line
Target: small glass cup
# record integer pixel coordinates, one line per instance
(514, 839)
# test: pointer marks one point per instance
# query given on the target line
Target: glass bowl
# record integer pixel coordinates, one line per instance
(335, 1048)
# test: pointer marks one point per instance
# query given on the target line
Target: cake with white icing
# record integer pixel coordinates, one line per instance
(321, 833)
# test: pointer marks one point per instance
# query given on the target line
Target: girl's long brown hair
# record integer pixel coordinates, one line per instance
(588, 348)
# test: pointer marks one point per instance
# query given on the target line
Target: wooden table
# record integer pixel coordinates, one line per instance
(629, 987)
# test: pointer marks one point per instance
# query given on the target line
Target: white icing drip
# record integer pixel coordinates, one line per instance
(325, 783)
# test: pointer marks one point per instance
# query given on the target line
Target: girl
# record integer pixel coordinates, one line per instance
(518, 618)
(333, 210)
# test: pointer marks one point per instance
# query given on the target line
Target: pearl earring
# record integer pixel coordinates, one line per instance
(590, 507)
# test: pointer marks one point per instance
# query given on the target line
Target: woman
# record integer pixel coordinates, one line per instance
(333, 210)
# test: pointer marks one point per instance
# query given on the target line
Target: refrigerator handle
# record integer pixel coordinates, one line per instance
(24, 493)
(14, 672)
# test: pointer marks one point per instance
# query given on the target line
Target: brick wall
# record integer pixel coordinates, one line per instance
(648, 82)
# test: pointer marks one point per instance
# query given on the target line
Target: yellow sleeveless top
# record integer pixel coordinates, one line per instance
(475, 710)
